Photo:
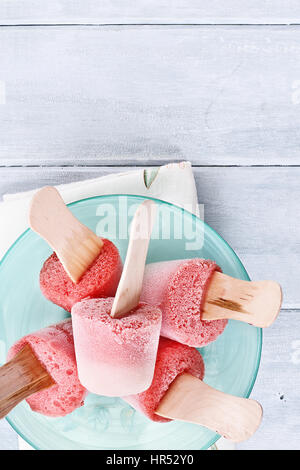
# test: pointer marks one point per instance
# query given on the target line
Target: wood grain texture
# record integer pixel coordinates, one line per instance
(111, 95)
(256, 210)
(21, 377)
(130, 285)
(254, 302)
(190, 399)
(148, 11)
(145, 95)
(76, 245)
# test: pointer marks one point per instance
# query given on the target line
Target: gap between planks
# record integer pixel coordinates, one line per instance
(156, 164)
(195, 25)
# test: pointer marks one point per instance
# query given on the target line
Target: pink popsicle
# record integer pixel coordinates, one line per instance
(115, 356)
(178, 287)
(100, 280)
(172, 360)
(54, 348)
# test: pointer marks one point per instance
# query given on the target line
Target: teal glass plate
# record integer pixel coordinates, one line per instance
(109, 423)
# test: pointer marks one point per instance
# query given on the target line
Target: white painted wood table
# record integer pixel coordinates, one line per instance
(88, 88)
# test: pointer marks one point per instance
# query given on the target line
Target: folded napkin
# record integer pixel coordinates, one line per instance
(173, 183)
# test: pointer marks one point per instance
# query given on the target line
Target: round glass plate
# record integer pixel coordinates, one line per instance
(109, 423)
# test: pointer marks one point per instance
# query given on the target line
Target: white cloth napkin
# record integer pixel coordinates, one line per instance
(173, 183)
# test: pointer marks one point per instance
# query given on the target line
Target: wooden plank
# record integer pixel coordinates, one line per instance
(255, 209)
(277, 386)
(149, 11)
(8, 437)
(97, 95)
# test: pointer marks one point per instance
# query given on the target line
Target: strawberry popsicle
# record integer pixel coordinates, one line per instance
(172, 360)
(115, 356)
(54, 348)
(178, 287)
(100, 280)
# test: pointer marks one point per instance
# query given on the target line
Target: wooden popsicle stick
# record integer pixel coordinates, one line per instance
(254, 302)
(20, 378)
(190, 399)
(130, 286)
(75, 244)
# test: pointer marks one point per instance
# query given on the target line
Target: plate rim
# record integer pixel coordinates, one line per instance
(206, 226)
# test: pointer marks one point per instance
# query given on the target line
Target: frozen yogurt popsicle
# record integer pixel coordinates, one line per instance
(100, 280)
(54, 348)
(115, 356)
(178, 392)
(74, 243)
(82, 264)
(179, 287)
(172, 360)
(116, 339)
